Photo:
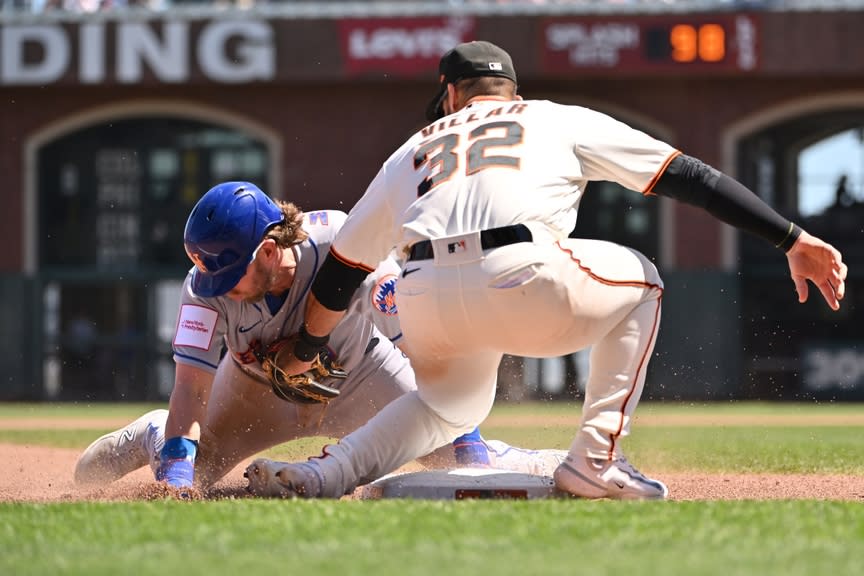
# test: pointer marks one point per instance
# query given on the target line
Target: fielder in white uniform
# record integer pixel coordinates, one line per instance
(481, 202)
(255, 262)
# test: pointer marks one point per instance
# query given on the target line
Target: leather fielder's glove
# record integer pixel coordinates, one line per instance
(305, 388)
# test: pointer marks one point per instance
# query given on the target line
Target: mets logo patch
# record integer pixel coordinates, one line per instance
(384, 295)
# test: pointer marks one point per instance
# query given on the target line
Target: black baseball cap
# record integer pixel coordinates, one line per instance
(469, 60)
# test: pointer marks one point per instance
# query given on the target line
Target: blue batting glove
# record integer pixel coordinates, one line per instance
(177, 462)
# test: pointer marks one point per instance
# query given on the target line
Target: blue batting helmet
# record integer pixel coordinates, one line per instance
(223, 231)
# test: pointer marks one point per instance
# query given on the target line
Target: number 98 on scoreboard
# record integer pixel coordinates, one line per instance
(698, 43)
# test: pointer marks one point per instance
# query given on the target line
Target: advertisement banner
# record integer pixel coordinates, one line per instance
(402, 47)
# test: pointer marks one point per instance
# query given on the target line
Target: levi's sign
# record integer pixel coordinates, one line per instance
(132, 52)
(400, 46)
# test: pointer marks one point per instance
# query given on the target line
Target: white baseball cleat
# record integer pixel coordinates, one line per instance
(596, 478)
(271, 479)
(537, 462)
(120, 452)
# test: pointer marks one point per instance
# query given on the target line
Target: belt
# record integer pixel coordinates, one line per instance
(492, 238)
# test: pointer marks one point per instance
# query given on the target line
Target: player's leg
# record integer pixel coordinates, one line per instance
(626, 289)
(383, 376)
(410, 426)
(244, 417)
(549, 300)
(116, 454)
(392, 378)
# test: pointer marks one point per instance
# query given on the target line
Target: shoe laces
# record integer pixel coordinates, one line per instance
(623, 464)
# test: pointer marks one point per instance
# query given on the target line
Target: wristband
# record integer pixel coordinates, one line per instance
(308, 346)
(177, 462)
(791, 236)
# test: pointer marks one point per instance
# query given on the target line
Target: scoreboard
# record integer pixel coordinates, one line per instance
(668, 43)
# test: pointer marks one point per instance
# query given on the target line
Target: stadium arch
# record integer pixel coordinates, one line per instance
(849, 104)
(106, 289)
(131, 108)
(792, 352)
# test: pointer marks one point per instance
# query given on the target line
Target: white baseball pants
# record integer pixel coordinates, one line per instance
(464, 310)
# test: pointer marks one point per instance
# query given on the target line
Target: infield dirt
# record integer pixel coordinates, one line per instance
(43, 474)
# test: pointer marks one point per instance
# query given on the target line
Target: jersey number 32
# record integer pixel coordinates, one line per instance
(443, 158)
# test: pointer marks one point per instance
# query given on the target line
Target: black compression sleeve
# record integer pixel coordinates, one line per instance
(336, 282)
(692, 181)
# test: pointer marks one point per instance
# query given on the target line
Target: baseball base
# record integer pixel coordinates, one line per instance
(462, 484)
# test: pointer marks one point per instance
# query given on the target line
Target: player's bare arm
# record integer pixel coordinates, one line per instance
(187, 409)
(188, 403)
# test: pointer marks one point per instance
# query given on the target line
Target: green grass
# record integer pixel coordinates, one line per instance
(735, 449)
(692, 409)
(717, 448)
(75, 410)
(492, 538)
(432, 538)
(80, 438)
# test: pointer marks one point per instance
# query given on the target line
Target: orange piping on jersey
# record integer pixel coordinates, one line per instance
(349, 263)
(650, 187)
(613, 438)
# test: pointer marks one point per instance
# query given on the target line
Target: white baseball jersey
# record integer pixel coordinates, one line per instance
(431, 186)
(205, 325)
(464, 305)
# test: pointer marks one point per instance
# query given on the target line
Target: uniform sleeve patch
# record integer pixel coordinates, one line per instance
(196, 326)
(384, 295)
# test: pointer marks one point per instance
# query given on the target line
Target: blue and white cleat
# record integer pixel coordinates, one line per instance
(543, 462)
(123, 451)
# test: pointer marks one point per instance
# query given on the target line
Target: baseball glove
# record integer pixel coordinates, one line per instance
(305, 388)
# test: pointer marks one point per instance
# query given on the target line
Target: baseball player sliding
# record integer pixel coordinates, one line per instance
(254, 264)
(481, 202)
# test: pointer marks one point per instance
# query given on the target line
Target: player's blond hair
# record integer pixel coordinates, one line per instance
(290, 231)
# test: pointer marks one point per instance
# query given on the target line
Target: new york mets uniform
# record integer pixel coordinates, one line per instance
(243, 415)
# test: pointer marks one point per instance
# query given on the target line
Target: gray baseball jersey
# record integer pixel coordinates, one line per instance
(205, 325)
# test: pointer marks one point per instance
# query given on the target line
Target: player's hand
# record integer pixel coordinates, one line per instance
(292, 365)
(812, 259)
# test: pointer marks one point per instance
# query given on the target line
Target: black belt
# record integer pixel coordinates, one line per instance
(492, 238)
